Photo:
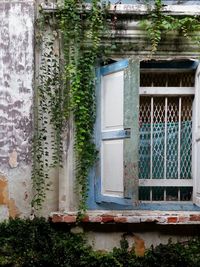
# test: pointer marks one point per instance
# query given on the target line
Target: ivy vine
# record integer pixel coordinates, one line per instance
(158, 24)
(47, 148)
(66, 88)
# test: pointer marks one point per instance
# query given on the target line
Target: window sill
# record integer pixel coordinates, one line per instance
(128, 217)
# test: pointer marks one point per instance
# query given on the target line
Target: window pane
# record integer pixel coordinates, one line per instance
(172, 193)
(157, 193)
(185, 193)
(144, 193)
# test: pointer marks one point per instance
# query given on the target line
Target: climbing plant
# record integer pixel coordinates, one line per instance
(47, 148)
(66, 88)
(158, 24)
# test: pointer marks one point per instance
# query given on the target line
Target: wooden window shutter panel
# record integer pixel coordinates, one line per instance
(117, 121)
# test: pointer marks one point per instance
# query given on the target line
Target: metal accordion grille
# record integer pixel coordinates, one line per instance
(165, 149)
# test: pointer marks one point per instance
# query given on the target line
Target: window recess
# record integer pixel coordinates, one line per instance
(165, 129)
(147, 133)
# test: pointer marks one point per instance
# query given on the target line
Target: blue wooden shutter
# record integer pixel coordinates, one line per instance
(116, 178)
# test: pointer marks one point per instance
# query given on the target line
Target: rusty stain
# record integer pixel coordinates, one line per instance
(139, 246)
(4, 198)
(3, 191)
(13, 211)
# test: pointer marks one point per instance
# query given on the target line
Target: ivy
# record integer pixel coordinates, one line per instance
(66, 87)
(47, 150)
(158, 24)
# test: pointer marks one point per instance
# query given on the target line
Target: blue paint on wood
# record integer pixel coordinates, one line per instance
(95, 197)
(112, 135)
(120, 65)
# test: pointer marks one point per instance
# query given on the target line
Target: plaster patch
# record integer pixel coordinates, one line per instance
(4, 213)
(13, 159)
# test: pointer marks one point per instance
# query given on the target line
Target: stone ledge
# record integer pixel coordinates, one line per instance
(106, 217)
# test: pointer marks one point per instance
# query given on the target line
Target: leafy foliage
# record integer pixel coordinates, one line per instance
(159, 24)
(38, 243)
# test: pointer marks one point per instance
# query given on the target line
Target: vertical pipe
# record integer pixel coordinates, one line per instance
(151, 141)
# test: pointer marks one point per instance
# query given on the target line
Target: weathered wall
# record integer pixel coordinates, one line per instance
(138, 239)
(17, 64)
(16, 98)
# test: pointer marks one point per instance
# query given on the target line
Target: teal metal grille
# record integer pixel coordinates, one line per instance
(158, 151)
(165, 149)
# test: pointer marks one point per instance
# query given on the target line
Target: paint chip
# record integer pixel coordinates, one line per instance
(13, 159)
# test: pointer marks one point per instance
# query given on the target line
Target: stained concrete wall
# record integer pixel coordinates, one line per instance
(16, 99)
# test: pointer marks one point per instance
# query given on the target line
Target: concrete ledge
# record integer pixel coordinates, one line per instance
(120, 217)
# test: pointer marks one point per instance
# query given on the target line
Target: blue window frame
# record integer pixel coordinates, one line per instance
(125, 136)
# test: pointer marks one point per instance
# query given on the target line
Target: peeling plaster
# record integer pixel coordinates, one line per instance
(16, 99)
(16, 77)
(13, 159)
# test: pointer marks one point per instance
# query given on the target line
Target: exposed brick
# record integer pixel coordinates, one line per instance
(106, 219)
(85, 218)
(172, 219)
(194, 218)
(95, 219)
(69, 219)
(121, 219)
(183, 219)
(57, 218)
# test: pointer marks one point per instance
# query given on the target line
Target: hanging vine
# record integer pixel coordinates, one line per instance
(47, 149)
(158, 24)
(72, 95)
